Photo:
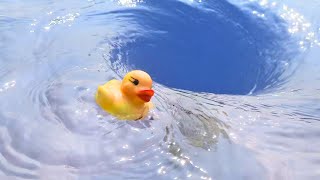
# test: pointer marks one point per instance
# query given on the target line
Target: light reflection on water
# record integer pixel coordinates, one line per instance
(54, 56)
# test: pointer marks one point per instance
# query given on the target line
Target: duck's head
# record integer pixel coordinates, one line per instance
(136, 85)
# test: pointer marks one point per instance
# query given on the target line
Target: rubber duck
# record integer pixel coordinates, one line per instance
(128, 99)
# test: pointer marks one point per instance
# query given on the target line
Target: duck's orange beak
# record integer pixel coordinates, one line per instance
(146, 95)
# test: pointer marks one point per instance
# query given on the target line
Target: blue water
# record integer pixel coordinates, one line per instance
(237, 89)
(213, 48)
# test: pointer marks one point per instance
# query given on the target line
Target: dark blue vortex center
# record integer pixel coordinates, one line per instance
(217, 48)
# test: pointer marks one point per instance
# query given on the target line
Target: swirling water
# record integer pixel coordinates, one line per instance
(237, 89)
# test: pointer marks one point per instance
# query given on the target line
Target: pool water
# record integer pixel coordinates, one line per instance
(237, 89)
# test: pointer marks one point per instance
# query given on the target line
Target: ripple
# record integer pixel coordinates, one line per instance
(65, 119)
(12, 162)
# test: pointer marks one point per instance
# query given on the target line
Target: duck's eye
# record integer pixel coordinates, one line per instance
(134, 81)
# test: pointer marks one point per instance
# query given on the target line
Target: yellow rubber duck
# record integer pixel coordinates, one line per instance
(129, 99)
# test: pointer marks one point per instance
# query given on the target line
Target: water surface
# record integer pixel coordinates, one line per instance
(237, 89)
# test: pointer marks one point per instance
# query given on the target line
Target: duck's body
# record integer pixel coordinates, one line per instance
(127, 99)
